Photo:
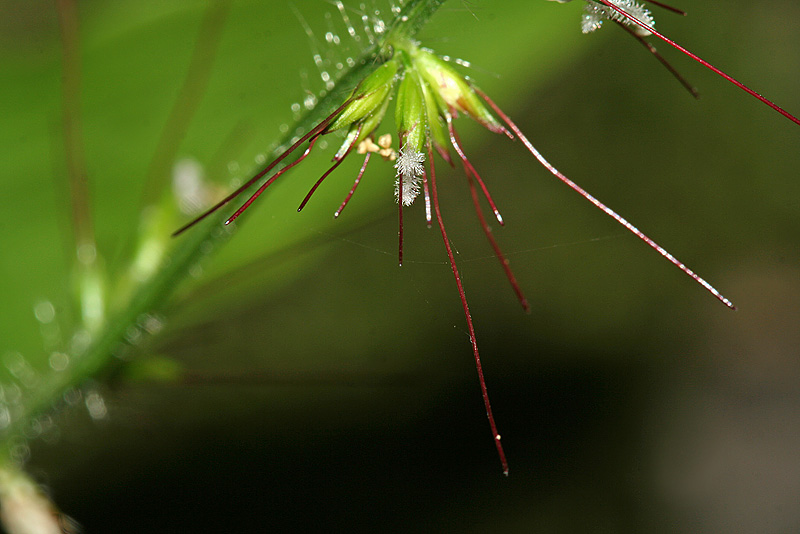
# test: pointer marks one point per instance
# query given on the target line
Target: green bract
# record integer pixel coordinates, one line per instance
(437, 129)
(451, 90)
(429, 93)
(411, 114)
(368, 97)
(364, 128)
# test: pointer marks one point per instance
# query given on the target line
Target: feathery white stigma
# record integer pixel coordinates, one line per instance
(594, 15)
(410, 166)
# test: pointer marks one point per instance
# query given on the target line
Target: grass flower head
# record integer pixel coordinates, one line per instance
(429, 95)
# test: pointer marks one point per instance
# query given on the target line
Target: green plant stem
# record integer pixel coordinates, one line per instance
(83, 248)
(152, 294)
(71, 122)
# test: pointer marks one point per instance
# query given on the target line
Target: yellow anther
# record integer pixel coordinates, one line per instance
(367, 145)
(388, 154)
(385, 141)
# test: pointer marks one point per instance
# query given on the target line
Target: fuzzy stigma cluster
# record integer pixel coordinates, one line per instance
(594, 13)
(427, 94)
(410, 167)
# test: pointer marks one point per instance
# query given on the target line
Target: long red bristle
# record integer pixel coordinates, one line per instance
(611, 213)
(315, 132)
(668, 7)
(702, 61)
(400, 219)
(652, 49)
(336, 163)
(495, 246)
(463, 296)
(457, 145)
(269, 182)
(353, 189)
(468, 171)
(427, 193)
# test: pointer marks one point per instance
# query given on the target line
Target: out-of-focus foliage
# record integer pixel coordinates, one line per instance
(323, 386)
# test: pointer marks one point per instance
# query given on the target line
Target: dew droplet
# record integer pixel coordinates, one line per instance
(87, 253)
(19, 450)
(151, 323)
(96, 405)
(310, 101)
(19, 367)
(350, 29)
(51, 433)
(10, 394)
(44, 311)
(133, 335)
(58, 361)
(5, 417)
(72, 396)
(366, 24)
(122, 351)
(189, 189)
(81, 340)
(196, 271)
(33, 430)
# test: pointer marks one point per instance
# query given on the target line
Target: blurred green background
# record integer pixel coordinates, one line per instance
(325, 388)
